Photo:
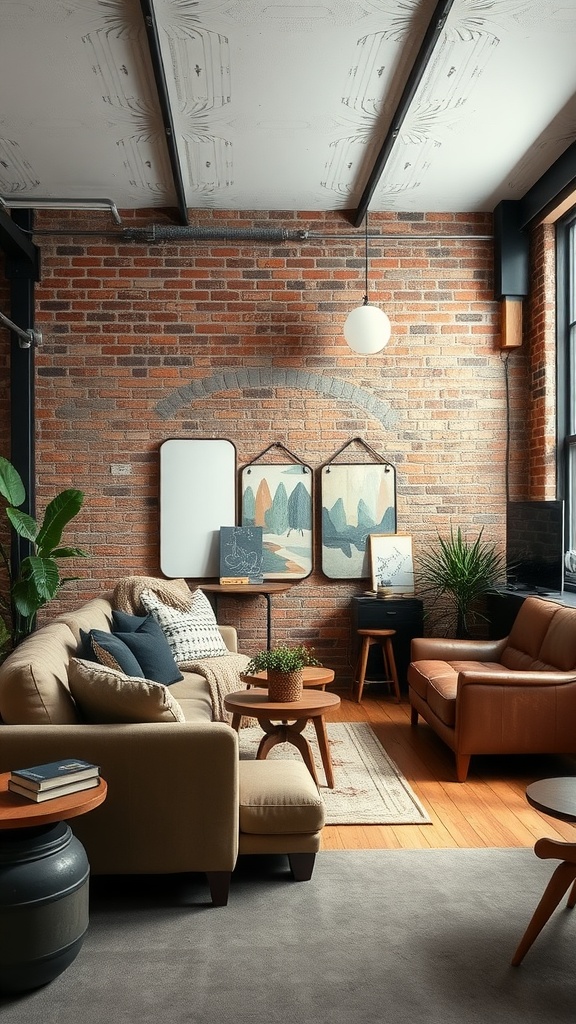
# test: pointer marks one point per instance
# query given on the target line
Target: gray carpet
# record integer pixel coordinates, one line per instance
(401, 936)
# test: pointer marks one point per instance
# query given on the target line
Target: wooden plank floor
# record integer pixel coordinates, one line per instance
(489, 809)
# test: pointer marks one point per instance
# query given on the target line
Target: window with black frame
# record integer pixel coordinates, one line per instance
(566, 390)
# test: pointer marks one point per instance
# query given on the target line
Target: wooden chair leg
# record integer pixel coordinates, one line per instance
(563, 877)
(362, 667)
(413, 715)
(390, 662)
(301, 866)
(219, 882)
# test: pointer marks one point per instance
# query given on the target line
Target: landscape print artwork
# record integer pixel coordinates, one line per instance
(357, 500)
(392, 564)
(279, 499)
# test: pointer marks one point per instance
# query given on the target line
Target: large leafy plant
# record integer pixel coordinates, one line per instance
(464, 571)
(37, 579)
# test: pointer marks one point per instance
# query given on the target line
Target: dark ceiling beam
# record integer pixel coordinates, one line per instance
(431, 37)
(149, 16)
(551, 188)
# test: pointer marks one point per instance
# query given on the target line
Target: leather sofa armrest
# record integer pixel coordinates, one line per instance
(442, 649)
(514, 677)
(172, 801)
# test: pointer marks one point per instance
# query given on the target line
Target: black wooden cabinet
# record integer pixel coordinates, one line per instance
(404, 614)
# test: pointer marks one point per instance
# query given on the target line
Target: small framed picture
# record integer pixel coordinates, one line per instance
(391, 563)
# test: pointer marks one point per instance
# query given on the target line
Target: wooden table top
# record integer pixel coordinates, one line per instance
(556, 797)
(312, 675)
(246, 588)
(254, 703)
(18, 812)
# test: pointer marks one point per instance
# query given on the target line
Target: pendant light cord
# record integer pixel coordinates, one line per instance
(365, 302)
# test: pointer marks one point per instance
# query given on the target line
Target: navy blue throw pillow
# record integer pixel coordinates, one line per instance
(110, 650)
(152, 651)
(122, 622)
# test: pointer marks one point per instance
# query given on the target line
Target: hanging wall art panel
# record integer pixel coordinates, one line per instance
(357, 500)
(279, 499)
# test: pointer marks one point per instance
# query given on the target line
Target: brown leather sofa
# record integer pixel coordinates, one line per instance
(510, 696)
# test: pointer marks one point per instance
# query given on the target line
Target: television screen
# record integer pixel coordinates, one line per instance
(535, 546)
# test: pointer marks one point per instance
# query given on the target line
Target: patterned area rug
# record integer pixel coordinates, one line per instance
(370, 789)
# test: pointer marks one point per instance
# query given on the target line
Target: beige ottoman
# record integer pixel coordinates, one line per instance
(281, 811)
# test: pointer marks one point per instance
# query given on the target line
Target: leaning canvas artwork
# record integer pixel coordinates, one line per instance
(357, 500)
(392, 563)
(279, 499)
(241, 554)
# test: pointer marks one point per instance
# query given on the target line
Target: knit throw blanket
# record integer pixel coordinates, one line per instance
(126, 596)
(222, 674)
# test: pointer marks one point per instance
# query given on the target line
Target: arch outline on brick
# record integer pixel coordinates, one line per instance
(245, 378)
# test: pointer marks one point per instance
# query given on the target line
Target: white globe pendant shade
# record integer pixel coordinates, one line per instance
(367, 329)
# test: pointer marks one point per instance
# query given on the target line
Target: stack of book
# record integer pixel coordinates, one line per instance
(57, 778)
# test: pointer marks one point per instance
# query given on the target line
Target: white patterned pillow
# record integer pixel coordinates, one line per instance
(191, 634)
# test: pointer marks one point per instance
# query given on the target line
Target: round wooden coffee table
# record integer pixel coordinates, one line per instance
(284, 722)
(311, 676)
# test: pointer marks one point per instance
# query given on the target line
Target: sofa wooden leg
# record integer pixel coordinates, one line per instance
(301, 865)
(219, 882)
(413, 715)
(462, 766)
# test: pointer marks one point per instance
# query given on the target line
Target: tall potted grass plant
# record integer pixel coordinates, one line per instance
(463, 571)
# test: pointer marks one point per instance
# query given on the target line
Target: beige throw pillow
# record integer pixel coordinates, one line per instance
(107, 695)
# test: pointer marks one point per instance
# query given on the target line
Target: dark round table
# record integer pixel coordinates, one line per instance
(557, 798)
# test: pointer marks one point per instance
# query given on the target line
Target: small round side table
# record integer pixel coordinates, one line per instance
(44, 875)
(284, 722)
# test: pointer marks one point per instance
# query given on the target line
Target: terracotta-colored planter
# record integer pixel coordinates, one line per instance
(284, 687)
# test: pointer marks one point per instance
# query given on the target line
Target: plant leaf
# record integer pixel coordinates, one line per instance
(11, 486)
(24, 524)
(69, 553)
(38, 583)
(58, 514)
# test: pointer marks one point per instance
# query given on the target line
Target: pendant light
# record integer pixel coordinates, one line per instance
(367, 329)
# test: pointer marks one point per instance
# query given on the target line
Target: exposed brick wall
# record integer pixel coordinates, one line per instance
(541, 343)
(244, 340)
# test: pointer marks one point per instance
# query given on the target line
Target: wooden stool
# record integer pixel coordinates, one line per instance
(384, 638)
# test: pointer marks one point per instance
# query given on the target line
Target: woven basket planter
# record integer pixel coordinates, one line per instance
(284, 687)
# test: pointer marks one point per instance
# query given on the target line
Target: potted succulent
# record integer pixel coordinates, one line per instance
(283, 666)
(465, 571)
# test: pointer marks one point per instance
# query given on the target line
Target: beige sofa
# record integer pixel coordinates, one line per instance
(179, 799)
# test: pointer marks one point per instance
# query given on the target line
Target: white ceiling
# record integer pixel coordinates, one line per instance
(284, 105)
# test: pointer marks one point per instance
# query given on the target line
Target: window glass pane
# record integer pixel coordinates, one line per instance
(570, 564)
(571, 329)
(567, 389)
